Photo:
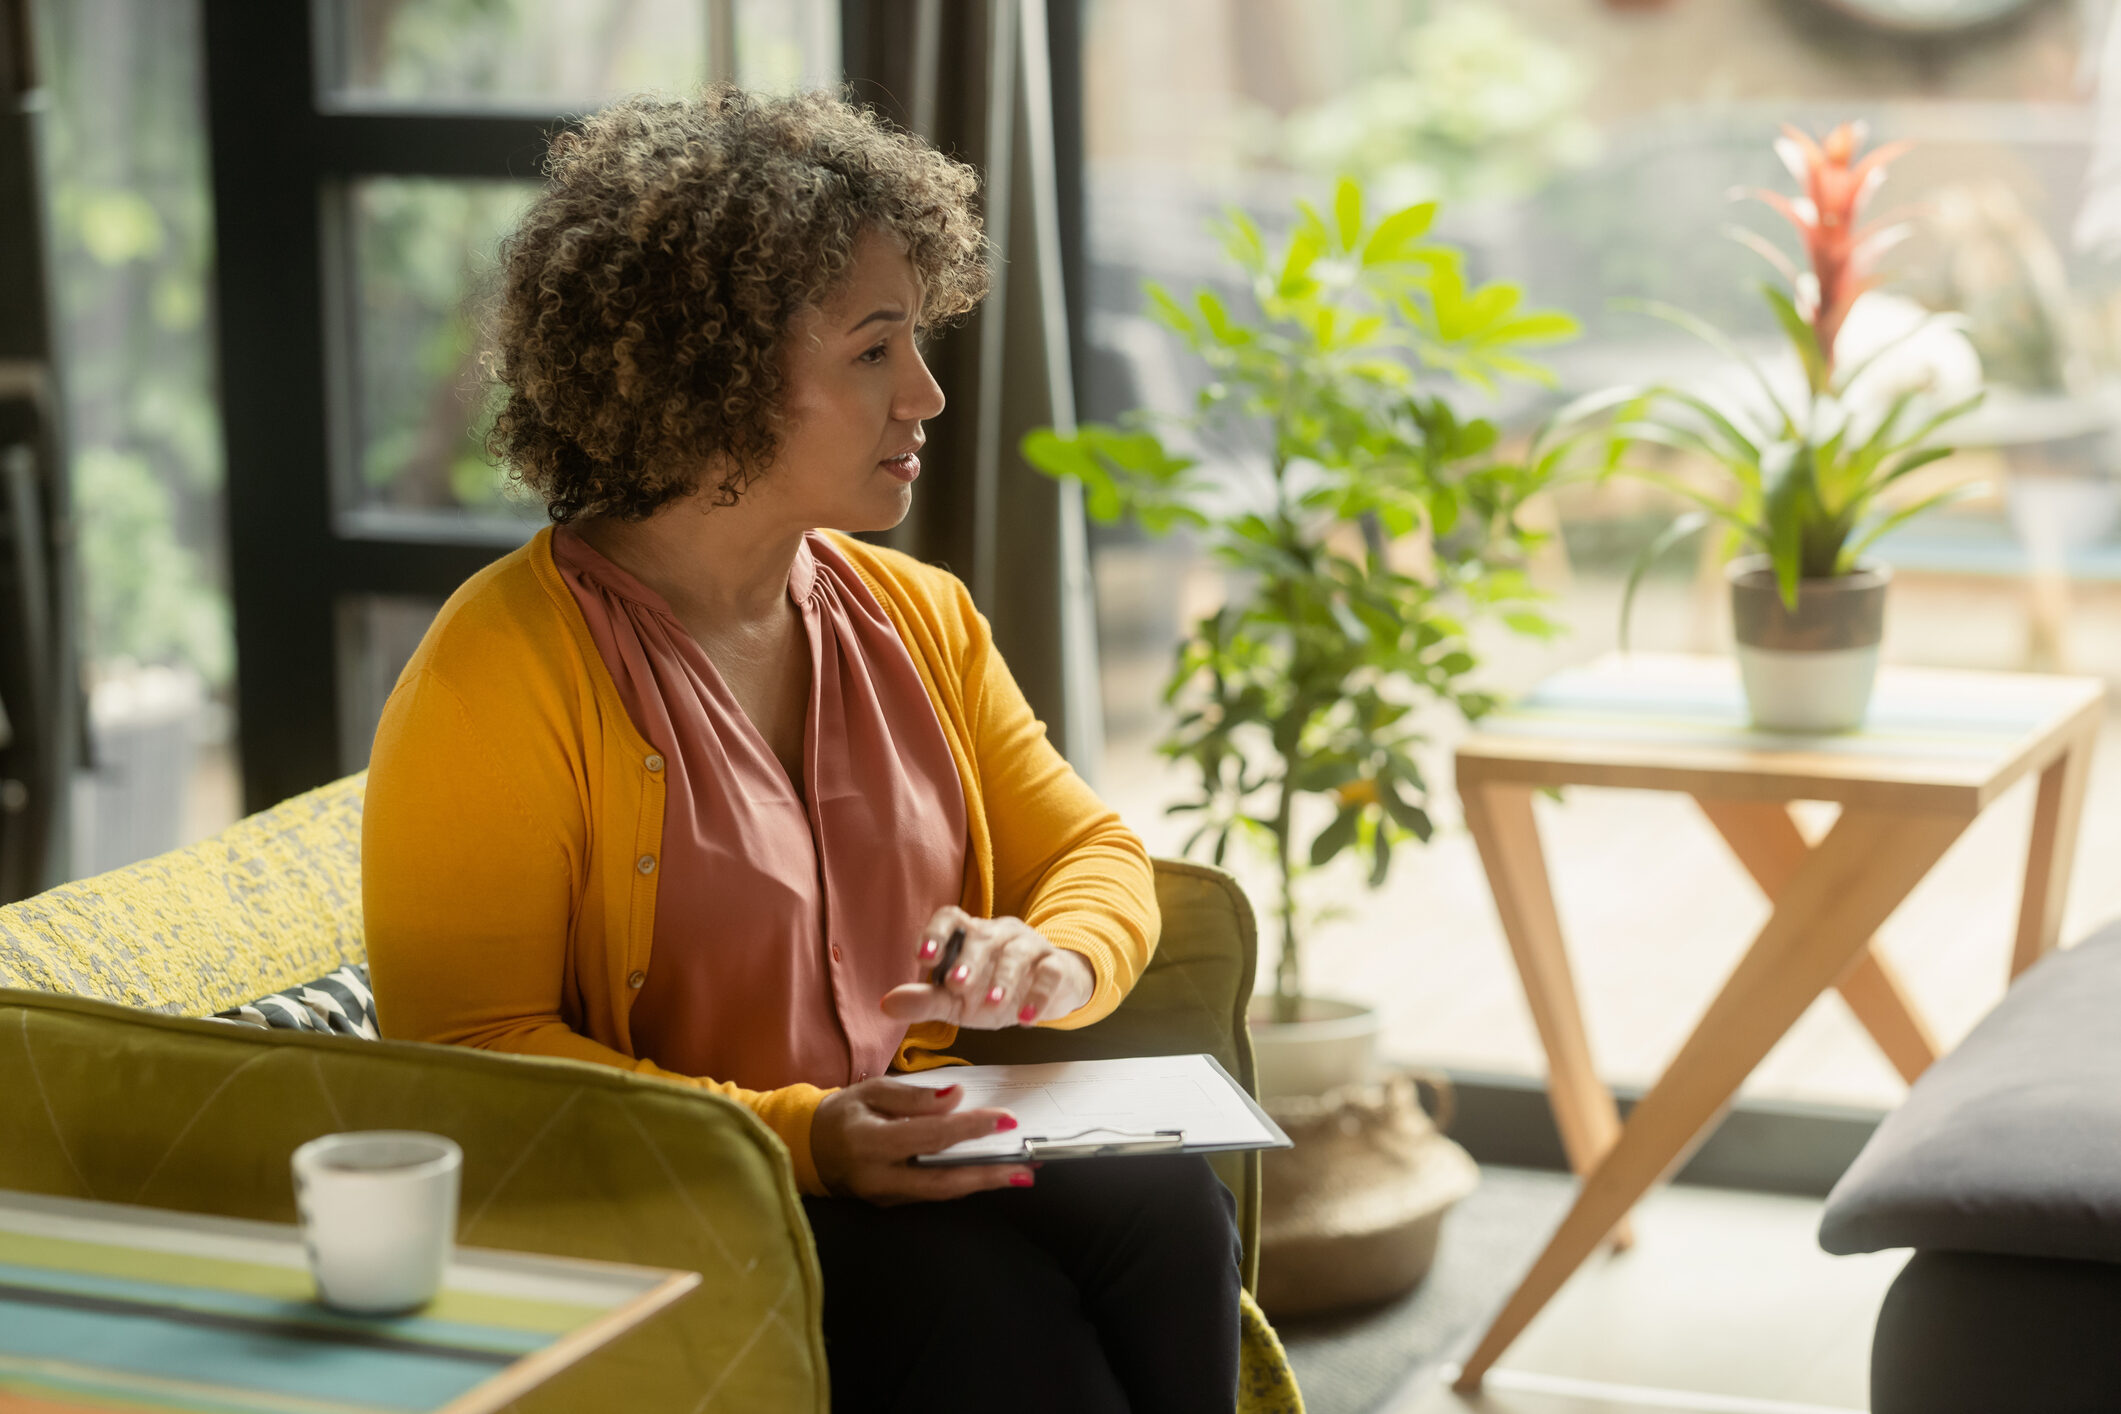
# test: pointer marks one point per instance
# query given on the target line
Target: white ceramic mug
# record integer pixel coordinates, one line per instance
(379, 1216)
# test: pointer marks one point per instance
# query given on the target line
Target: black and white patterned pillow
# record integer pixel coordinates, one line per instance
(340, 1003)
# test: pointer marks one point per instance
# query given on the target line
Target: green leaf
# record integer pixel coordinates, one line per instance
(1716, 339)
(1389, 244)
(1306, 245)
(1058, 456)
(1168, 311)
(1802, 337)
(1325, 773)
(1530, 624)
(1545, 327)
(1915, 461)
(1655, 429)
(1786, 470)
(1852, 553)
(1956, 410)
(1704, 502)
(1381, 863)
(1411, 818)
(1335, 837)
(1846, 377)
(1217, 318)
(1681, 527)
(1241, 240)
(1743, 446)
(1347, 212)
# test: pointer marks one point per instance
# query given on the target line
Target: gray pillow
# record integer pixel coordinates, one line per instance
(2012, 1143)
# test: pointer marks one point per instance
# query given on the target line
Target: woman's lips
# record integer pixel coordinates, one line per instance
(905, 468)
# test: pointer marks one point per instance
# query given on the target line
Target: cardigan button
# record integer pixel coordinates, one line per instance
(647, 864)
(654, 762)
(636, 980)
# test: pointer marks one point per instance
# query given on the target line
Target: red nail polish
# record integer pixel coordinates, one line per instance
(994, 994)
(928, 948)
(961, 974)
(947, 1090)
(1026, 1014)
(1019, 1180)
(1005, 1122)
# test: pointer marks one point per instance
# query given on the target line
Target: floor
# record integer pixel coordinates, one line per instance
(1725, 1305)
(1656, 909)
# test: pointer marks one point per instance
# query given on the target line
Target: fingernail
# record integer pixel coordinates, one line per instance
(1005, 1122)
(947, 1090)
(1026, 1014)
(961, 974)
(994, 994)
(928, 948)
(1019, 1180)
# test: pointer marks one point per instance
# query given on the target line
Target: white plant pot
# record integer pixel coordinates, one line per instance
(1809, 669)
(1330, 1044)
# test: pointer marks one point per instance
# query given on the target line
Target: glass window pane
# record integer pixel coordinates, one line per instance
(788, 44)
(423, 254)
(543, 55)
(377, 636)
(131, 220)
(1586, 151)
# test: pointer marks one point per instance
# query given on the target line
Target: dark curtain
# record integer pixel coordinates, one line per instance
(977, 78)
(39, 698)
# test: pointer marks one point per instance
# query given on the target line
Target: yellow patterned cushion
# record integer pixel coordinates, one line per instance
(267, 903)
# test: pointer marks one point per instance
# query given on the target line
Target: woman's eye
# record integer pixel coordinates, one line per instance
(876, 355)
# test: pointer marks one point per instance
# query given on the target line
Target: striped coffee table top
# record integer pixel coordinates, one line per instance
(104, 1306)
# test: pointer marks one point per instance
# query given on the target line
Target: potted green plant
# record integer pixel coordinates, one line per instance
(1366, 523)
(1809, 480)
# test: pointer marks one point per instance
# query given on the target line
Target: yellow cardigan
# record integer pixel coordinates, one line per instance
(514, 822)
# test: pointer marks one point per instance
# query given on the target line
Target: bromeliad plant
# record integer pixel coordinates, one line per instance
(1305, 683)
(1807, 479)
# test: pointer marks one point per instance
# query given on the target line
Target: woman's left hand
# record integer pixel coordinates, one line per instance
(1006, 975)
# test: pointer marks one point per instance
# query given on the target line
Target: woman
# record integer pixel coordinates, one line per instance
(697, 784)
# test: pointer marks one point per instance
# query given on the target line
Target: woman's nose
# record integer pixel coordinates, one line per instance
(922, 397)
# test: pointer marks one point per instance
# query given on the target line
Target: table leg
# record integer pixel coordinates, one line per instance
(2056, 813)
(1499, 815)
(1840, 894)
(1765, 837)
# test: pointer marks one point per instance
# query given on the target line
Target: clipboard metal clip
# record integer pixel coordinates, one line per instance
(1078, 1146)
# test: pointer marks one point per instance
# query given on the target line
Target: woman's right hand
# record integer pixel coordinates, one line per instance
(861, 1138)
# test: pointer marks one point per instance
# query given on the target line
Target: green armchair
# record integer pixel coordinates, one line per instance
(112, 1088)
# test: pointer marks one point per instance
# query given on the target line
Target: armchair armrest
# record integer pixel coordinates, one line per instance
(100, 1101)
(1192, 999)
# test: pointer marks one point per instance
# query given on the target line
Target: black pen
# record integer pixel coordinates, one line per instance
(951, 948)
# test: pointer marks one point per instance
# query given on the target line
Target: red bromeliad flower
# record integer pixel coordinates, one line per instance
(1843, 253)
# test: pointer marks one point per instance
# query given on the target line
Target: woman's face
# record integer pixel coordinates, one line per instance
(856, 391)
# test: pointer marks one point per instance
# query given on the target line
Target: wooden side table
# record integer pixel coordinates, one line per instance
(1938, 748)
(108, 1307)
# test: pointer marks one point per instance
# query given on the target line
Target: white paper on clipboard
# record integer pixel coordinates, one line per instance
(1106, 1106)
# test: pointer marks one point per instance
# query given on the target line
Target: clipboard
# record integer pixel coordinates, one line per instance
(1046, 1143)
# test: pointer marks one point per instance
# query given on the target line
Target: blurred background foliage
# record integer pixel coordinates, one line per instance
(132, 234)
(1474, 104)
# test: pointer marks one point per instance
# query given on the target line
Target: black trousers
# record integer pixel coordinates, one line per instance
(1110, 1284)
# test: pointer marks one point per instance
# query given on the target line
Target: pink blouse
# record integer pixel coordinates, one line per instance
(780, 925)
